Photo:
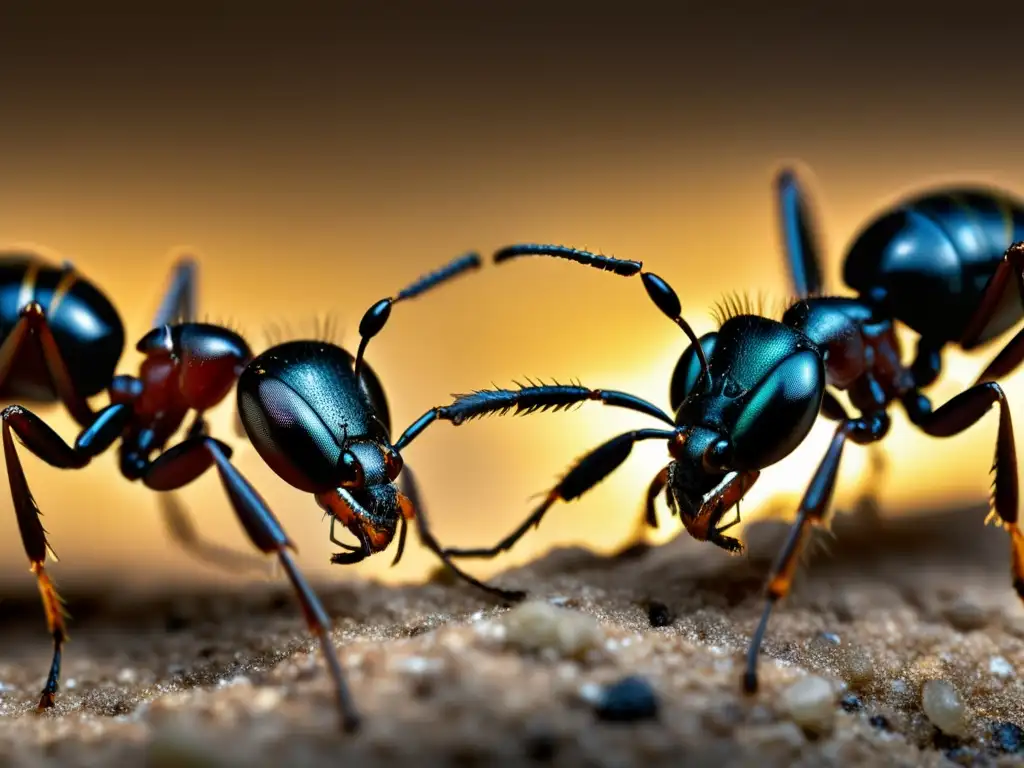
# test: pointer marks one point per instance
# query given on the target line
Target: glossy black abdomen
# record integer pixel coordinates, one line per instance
(934, 255)
(86, 326)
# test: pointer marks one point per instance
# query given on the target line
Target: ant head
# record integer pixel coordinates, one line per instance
(366, 500)
(755, 403)
(301, 409)
(208, 359)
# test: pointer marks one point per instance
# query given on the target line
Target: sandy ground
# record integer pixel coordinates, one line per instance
(231, 679)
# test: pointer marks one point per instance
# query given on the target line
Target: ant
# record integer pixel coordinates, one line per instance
(61, 342)
(947, 263)
(319, 418)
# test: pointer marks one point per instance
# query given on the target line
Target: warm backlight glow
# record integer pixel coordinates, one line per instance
(271, 261)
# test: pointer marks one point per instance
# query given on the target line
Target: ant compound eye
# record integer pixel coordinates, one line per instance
(717, 456)
(350, 471)
(393, 463)
(779, 412)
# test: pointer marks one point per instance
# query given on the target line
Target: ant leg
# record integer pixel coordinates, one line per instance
(780, 505)
(413, 509)
(184, 533)
(800, 234)
(998, 292)
(927, 364)
(179, 302)
(198, 426)
(376, 317)
(956, 416)
(403, 532)
(656, 487)
(525, 400)
(408, 485)
(183, 463)
(588, 471)
(1006, 362)
(42, 441)
(811, 513)
(833, 410)
(32, 327)
(1005, 291)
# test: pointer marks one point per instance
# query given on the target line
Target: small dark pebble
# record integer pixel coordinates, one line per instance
(424, 686)
(944, 741)
(881, 722)
(540, 745)
(851, 703)
(1006, 737)
(659, 614)
(632, 698)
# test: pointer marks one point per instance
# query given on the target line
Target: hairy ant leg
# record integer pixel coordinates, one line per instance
(42, 441)
(813, 508)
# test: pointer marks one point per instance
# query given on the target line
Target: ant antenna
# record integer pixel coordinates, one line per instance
(376, 317)
(661, 293)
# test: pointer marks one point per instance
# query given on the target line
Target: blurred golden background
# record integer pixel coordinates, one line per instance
(320, 160)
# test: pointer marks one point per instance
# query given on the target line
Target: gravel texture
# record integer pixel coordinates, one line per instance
(633, 661)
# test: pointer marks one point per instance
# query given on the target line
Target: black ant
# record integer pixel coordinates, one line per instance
(947, 263)
(62, 340)
(320, 419)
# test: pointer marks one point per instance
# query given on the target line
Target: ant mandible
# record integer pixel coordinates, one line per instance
(62, 340)
(947, 263)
